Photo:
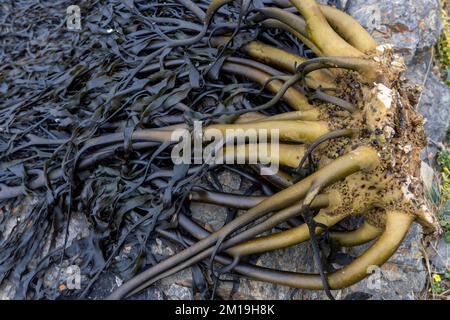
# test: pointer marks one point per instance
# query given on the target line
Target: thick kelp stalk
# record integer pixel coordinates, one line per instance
(87, 119)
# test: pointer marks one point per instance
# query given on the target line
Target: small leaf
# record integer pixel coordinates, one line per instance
(447, 237)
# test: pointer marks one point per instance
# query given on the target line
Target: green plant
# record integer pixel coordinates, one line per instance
(443, 47)
(443, 161)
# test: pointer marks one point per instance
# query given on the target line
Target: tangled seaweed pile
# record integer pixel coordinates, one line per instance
(86, 120)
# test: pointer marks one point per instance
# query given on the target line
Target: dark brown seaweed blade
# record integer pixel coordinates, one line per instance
(120, 73)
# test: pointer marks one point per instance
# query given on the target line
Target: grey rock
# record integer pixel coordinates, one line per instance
(440, 257)
(210, 215)
(78, 229)
(174, 287)
(409, 25)
(230, 181)
(108, 282)
(177, 286)
(7, 290)
(435, 99)
(428, 176)
(177, 292)
(297, 258)
(215, 216)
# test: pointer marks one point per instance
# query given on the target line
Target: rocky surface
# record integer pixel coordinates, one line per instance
(439, 254)
(411, 25)
(435, 99)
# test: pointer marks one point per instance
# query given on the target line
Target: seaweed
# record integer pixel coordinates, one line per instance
(86, 121)
(119, 73)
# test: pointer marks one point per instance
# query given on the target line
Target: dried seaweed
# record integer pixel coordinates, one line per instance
(120, 73)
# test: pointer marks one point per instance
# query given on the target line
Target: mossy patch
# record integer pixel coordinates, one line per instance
(443, 46)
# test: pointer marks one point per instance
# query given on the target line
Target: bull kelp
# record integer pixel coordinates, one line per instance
(87, 118)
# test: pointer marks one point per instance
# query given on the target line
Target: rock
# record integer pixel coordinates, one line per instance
(435, 98)
(12, 216)
(108, 282)
(209, 215)
(402, 277)
(7, 290)
(215, 216)
(427, 174)
(409, 25)
(440, 257)
(177, 286)
(174, 287)
(162, 249)
(78, 229)
(152, 293)
(230, 181)
(297, 258)
(413, 27)
(177, 292)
